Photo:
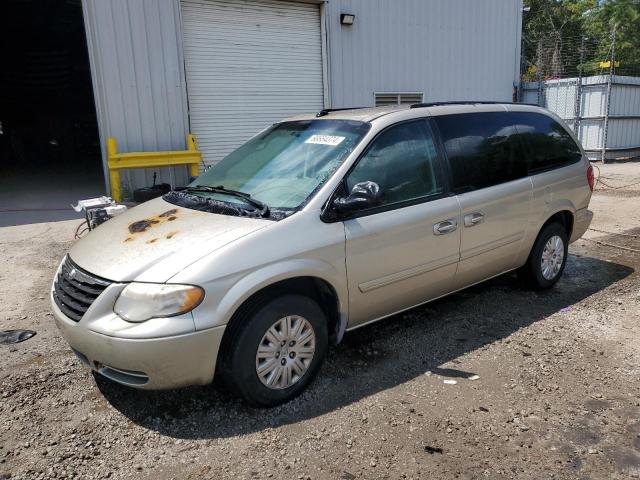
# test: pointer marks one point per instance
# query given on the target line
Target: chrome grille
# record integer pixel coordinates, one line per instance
(74, 289)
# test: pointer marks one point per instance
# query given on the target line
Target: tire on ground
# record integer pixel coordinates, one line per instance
(238, 362)
(531, 273)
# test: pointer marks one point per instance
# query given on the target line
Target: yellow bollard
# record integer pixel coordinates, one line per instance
(191, 142)
(112, 146)
(114, 178)
(191, 157)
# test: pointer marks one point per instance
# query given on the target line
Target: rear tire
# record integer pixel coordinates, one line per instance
(275, 349)
(547, 259)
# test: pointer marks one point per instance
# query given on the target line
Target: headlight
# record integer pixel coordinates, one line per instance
(141, 301)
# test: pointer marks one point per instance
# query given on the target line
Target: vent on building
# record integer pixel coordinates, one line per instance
(383, 99)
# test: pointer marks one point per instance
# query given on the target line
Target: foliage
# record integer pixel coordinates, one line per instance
(562, 37)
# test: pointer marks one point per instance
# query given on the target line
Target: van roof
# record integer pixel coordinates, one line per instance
(368, 114)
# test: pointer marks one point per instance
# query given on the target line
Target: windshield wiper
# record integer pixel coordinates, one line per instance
(264, 208)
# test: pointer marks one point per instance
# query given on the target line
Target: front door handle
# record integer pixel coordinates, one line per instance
(471, 219)
(446, 226)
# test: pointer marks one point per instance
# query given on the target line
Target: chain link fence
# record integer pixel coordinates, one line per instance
(595, 93)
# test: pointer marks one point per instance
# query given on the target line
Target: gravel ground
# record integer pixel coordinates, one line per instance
(558, 393)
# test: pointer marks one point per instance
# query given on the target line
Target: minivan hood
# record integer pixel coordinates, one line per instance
(154, 241)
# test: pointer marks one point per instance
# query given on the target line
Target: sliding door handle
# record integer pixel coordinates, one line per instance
(471, 219)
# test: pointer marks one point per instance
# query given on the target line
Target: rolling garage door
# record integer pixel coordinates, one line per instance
(248, 64)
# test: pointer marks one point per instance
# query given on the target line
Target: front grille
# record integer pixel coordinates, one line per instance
(74, 289)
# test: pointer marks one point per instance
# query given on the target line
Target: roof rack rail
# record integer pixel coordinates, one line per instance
(463, 102)
(327, 111)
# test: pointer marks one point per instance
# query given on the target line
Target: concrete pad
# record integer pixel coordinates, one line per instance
(28, 200)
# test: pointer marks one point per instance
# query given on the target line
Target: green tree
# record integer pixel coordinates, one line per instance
(562, 36)
(624, 17)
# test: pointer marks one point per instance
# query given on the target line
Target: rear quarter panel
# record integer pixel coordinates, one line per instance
(556, 190)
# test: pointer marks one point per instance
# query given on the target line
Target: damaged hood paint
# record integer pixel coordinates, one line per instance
(155, 240)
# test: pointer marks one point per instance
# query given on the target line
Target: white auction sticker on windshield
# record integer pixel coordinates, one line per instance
(331, 140)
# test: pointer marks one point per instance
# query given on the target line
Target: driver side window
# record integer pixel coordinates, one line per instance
(403, 162)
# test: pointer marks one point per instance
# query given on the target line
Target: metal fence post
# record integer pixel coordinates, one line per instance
(522, 64)
(539, 72)
(605, 132)
(578, 101)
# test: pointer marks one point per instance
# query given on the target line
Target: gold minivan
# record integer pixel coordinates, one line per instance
(319, 225)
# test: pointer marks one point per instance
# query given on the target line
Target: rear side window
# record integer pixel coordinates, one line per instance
(547, 144)
(483, 149)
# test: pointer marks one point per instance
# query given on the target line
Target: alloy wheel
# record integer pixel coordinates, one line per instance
(552, 257)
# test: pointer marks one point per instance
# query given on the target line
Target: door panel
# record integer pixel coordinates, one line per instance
(395, 260)
(404, 251)
(489, 174)
(493, 245)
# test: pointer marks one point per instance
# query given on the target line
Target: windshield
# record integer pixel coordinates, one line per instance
(282, 166)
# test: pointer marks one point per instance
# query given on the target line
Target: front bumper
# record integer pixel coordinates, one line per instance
(146, 363)
(581, 221)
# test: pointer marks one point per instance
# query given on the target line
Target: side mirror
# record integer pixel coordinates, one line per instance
(363, 195)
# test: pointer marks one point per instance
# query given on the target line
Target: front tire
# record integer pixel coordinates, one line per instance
(276, 347)
(547, 259)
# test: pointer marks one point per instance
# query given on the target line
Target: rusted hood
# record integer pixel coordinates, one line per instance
(154, 241)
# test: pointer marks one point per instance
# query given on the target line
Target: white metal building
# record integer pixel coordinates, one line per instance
(225, 69)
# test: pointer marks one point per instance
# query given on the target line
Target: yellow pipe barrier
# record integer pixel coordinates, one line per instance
(118, 161)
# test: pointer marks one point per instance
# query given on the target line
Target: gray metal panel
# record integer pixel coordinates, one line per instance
(624, 120)
(135, 49)
(529, 94)
(623, 136)
(590, 134)
(623, 133)
(594, 101)
(459, 50)
(625, 100)
(560, 97)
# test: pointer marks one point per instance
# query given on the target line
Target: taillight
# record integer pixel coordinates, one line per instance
(590, 178)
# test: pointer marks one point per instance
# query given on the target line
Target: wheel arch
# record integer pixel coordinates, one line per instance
(564, 217)
(315, 287)
(313, 278)
(562, 213)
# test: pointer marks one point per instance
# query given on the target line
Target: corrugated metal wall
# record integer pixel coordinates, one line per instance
(623, 136)
(135, 49)
(249, 63)
(624, 117)
(450, 50)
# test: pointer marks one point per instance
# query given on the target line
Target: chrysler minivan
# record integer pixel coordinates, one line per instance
(319, 225)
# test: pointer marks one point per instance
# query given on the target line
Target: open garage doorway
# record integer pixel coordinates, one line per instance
(49, 143)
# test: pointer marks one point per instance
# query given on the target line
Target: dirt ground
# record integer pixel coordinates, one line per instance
(558, 393)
